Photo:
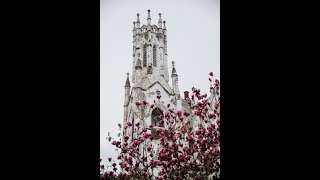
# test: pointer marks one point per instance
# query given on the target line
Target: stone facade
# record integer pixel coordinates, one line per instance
(150, 72)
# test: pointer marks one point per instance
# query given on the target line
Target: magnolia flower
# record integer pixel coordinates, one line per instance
(215, 152)
(127, 168)
(144, 102)
(144, 173)
(210, 115)
(129, 123)
(186, 113)
(126, 137)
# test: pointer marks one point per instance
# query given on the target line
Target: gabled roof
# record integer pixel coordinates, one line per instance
(148, 84)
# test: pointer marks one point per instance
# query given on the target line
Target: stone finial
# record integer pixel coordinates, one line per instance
(127, 81)
(174, 72)
(164, 25)
(149, 17)
(160, 22)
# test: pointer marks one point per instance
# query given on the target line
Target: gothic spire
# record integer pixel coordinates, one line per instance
(127, 81)
(138, 21)
(149, 17)
(138, 17)
(174, 72)
(160, 21)
(149, 14)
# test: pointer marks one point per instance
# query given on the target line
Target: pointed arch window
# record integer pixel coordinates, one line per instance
(154, 56)
(155, 117)
(144, 56)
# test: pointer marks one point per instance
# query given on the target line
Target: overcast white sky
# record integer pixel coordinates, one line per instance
(193, 35)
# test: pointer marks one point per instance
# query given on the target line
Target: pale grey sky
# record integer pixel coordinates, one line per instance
(193, 35)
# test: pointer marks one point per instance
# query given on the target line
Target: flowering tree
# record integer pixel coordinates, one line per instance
(187, 147)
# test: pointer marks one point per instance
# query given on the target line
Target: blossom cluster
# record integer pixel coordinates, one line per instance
(187, 147)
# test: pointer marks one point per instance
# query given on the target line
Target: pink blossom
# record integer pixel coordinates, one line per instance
(181, 157)
(144, 102)
(144, 173)
(186, 113)
(189, 138)
(200, 151)
(167, 115)
(146, 135)
(215, 152)
(126, 137)
(129, 123)
(179, 113)
(210, 115)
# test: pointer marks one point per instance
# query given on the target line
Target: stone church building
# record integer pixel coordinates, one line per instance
(150, 75)
(150, 79)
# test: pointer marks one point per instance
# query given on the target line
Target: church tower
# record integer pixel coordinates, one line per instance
(150, 77)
